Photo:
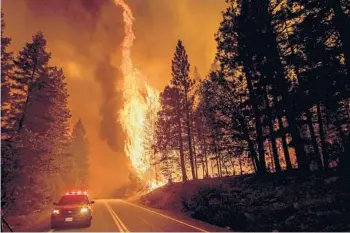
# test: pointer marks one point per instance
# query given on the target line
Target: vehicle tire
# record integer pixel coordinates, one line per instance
(88, 223)
(54, 225)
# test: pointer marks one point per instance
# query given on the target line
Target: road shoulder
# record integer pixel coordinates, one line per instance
(182, 217)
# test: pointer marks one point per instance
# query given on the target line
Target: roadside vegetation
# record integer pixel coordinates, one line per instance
(274, 203)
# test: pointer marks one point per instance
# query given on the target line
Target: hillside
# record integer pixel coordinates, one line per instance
(248, 203)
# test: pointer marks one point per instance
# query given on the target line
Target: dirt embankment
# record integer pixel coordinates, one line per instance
(274, 203)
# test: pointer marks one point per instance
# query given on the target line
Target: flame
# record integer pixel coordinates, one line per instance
(141, 104)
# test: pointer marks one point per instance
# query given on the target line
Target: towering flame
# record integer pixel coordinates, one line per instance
(141, 103)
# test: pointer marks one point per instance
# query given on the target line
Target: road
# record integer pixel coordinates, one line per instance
(115, 215)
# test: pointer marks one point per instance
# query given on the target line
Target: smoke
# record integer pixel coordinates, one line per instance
(107, 75)
(82, 35)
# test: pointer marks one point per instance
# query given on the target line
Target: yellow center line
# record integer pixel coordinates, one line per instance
(120, 228)
(120, 221)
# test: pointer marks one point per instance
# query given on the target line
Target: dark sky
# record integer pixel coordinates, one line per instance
(84, 37)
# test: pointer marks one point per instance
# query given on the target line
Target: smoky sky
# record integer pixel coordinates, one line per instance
(86, 15)
(84, 38)
(107, 76)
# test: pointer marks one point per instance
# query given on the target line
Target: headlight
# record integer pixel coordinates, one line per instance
(84, 210)
(55, 211)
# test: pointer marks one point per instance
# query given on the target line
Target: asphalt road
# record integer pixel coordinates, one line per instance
(114, 215)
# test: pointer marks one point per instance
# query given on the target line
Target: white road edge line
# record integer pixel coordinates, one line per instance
(174, 219)
(114, 218)
(117, 217)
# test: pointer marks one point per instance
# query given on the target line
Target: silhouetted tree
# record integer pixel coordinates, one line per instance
(8, 153)
(323, 79)
(169, 129)
(184, 85)
(39, 106)
(6, 75)
(31, 69)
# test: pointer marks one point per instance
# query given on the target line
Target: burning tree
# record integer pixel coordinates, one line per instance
(141, 105)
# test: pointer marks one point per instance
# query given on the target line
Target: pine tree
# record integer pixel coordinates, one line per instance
(28, 83)
(169, 129)
(42, 138)
(8, 153)
(80, 152)
(323, 79)
(201, 140)
(207, 105)
(30, 74)
(236, 53)
(6, 74)
(184, 85)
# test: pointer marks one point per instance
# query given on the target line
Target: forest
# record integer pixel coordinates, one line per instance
(275, 103)
(276, 98)
(261, 142)
(40, 156)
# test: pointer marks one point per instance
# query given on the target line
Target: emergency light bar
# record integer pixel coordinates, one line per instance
(76, 193)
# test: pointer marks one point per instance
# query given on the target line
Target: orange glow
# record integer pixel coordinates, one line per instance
(139, 98)
(79, 46)
(153, 184)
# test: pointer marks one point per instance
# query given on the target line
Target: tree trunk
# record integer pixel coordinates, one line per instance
(272, 134)
(181, 147)
(303, 165)
(275, 152)
(284, 144)
(254, 165)
(212, 168)
(274, 56)
(232, 164)
(203, 166)
(206, 158)
(195, 156)
(224, 165)
(259, 132)
(253, 154)
(280, 121)
(189, 136)
(249, 141)
(314, 141)
(21, 120)
(240, 165)
(257, 115)
(219, 165)
(323, 139)
(204, 150)
(217, 157)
